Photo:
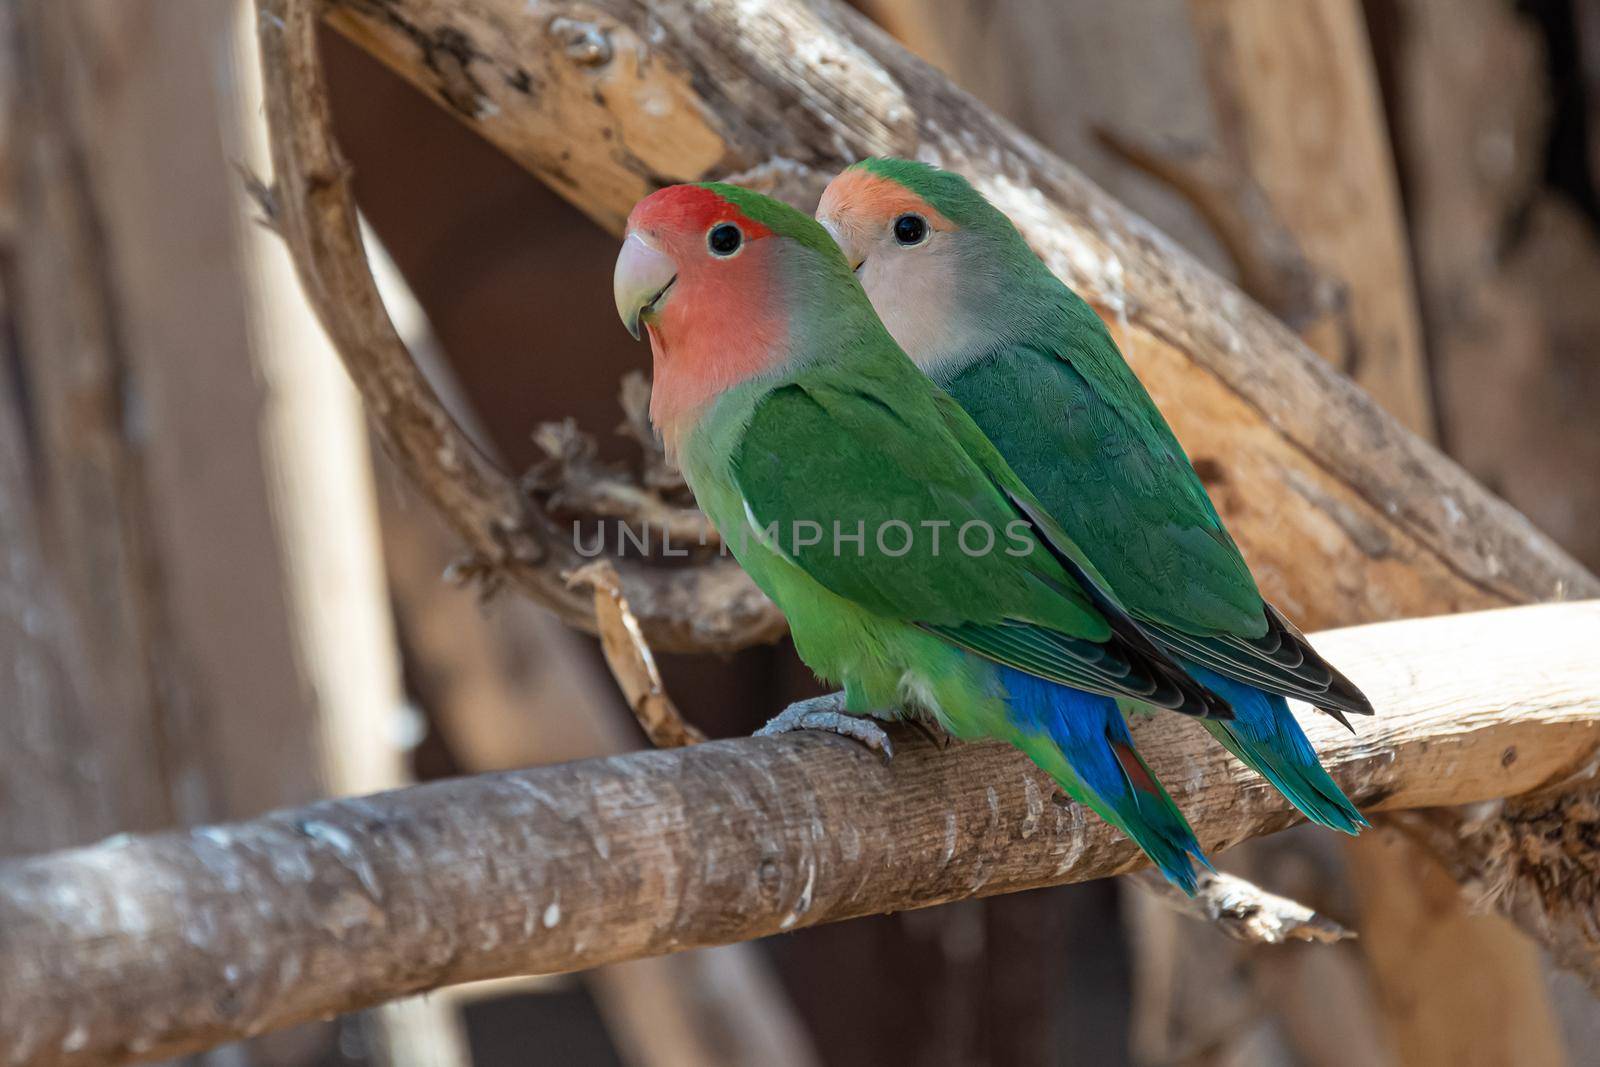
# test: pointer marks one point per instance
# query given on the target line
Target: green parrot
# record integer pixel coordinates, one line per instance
(913, 565)
(1034, 366)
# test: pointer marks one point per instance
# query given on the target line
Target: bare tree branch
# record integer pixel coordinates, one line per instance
(631, 661)
(712, 606)
(165, 944)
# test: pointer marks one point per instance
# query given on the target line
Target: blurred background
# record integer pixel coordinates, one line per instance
(216, 598)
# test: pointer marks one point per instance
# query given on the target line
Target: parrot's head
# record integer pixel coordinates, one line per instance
(722, 279)
(935, 257)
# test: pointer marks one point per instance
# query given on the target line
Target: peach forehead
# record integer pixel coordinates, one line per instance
(865, 194)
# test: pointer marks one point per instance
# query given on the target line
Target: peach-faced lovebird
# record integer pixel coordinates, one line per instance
(965, 297)
(914, 567)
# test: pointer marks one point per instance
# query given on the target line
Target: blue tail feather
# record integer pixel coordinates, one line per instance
(1091, 735)
(1266, 737)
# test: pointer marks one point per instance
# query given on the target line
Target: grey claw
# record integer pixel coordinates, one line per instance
(825, 713)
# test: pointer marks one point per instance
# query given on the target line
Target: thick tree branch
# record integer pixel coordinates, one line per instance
(1344, 515)
(164, 944)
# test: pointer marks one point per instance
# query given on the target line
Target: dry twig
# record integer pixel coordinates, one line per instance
(1243, 910)
(630, 659)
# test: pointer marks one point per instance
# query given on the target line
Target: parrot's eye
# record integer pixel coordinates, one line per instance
(910, 230)
(724, 239)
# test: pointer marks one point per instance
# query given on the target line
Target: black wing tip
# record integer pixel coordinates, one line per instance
(1345, 694)
(1215, 706)
(1339, 717)
(1341, 695)
(1353, 700)
(1196, 699)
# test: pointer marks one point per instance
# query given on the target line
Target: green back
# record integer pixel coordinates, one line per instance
(1081, 436)
(1074, 422)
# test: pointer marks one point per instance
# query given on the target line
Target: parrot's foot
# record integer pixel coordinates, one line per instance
(827, 713)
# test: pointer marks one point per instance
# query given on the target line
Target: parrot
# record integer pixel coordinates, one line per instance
(1038, 371)
(805, 433)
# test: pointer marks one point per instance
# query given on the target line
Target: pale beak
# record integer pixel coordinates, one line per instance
(850, 255)
(644, 274)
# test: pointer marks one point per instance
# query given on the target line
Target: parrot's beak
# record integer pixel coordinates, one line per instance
(643, 276)
(854, 258)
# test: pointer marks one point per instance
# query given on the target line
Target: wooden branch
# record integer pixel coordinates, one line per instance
(631, 661)
(1344, 515)
(709, 607)
(512, 687)
(1269, 261)
(1329, 179)
(164, 944)
(1243, 910)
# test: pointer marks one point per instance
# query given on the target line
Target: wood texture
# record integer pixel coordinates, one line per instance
(155, 530)
(608, 100)
(509, 686)
(158, 944)
(1296, 100)
(709, 607)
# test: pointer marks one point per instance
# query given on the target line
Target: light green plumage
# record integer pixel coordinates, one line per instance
(863, 441)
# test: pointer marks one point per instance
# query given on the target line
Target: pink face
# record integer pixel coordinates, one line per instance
(701, 278)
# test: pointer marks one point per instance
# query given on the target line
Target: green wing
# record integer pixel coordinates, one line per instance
(828, 452)
(1082, 433)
